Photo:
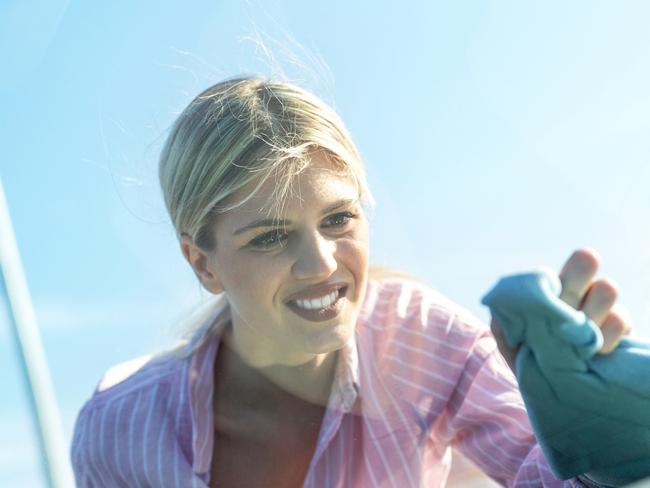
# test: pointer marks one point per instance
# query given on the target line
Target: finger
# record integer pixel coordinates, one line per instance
(599, 300)
(616, 325)
(576, 275)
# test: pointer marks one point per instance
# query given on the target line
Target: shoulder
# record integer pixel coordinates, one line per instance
(121, 372)
(130, 408)
(137, 375)
(418, 343)
(134, 384)
(405, 302)
(414, 319)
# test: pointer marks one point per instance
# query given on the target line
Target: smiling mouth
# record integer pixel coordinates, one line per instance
(318, 310)
(318, 303)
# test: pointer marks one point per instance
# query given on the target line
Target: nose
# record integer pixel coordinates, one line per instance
(316, 258)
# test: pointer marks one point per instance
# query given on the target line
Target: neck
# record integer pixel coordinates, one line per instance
(308, 377)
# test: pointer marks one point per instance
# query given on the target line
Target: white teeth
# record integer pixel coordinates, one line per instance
(318, 303)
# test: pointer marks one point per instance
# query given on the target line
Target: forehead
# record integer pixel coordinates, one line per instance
(321, 183)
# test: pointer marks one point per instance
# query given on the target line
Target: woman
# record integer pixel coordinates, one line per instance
(310, 369)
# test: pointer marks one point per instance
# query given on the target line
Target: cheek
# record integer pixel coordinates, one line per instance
(353, 253)
(362, 240)
(254, 277)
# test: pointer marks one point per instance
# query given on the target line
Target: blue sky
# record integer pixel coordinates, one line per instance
(498, 136)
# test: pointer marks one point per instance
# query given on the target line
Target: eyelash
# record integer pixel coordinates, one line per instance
(262, 240)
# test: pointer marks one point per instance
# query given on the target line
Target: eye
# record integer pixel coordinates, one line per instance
(341, 219)
(269, 239)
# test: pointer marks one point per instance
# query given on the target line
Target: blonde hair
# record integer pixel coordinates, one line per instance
(242, 130)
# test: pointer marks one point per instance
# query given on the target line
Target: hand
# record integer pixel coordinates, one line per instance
(596, 298)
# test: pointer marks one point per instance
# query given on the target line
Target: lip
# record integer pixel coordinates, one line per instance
(323, 314)
(316, 291)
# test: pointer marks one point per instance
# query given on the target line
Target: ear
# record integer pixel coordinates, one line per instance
(200, 261)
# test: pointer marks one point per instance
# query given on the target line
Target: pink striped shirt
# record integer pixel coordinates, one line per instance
(421, 374)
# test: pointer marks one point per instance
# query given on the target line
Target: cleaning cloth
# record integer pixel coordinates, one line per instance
(590, 412)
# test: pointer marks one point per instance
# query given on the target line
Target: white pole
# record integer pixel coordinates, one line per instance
(53, 446)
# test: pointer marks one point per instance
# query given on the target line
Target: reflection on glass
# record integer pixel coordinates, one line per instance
(310, 366)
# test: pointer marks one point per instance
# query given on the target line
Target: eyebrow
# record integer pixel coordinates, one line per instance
(285, 222)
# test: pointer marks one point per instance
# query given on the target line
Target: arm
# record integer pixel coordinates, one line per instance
(560, 350)
(486, 420)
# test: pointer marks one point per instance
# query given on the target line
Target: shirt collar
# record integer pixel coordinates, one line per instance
(345, 387)
(343, 394)
(200, 379)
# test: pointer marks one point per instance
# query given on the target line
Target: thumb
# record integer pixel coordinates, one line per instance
(508, 353)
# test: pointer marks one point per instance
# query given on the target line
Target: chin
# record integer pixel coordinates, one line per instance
(329, 340)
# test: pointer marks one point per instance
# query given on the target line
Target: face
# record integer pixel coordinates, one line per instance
(274, 275)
